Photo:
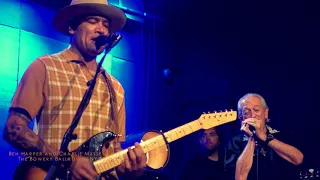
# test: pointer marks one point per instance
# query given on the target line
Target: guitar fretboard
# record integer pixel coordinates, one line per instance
(110, 162)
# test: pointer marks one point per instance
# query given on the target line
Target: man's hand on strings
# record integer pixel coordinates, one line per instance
(81, 169)
(135, 162)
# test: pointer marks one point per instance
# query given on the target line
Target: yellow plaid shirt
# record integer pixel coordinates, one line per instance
(52, 89)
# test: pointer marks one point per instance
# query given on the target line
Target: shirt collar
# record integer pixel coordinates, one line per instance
(269, 129)
(70, 56)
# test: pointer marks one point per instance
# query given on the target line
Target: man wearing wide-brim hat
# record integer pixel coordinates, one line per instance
(77, 8)
(52, 88)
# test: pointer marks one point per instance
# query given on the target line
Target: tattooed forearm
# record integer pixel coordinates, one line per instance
(43, 147)
(22, 137)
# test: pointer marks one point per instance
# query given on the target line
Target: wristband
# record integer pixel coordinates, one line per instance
(269, 138)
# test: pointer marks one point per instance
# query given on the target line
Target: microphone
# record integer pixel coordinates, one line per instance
(104, 39)
(251, 128)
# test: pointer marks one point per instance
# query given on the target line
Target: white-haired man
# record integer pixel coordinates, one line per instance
(259, 152)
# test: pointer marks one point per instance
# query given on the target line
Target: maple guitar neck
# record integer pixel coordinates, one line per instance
(107, 163)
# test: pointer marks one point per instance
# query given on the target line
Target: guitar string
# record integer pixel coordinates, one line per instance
(146, 144)
(152, 141)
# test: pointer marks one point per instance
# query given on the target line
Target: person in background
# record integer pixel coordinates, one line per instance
(259, 151)
(208, 164)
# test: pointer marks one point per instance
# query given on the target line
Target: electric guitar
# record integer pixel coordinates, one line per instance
(154, 144)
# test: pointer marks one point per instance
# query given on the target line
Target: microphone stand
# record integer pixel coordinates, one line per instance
(257, 149)
(69, 136)
(257, 158)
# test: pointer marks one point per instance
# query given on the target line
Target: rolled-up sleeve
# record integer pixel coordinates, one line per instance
(31, 90)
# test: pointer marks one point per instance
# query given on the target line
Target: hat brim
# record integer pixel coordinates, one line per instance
(116, 16)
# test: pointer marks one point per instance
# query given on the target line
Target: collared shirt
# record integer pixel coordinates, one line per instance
(51, 90)
(267, 164)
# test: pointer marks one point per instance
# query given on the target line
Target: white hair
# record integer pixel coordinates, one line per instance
(262, 101)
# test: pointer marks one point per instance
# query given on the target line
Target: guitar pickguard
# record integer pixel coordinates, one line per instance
(34, 170)
(93, 146)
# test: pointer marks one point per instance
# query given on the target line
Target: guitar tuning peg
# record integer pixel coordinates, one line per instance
(208, 112)
(220, 110)
(226, 110)
(215, 111)
(204, 113)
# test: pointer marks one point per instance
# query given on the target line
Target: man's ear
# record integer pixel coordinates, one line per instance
(240, 116)
(266, 113)
(71, 31)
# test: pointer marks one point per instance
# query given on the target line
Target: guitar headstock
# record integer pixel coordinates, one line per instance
(210, 120)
